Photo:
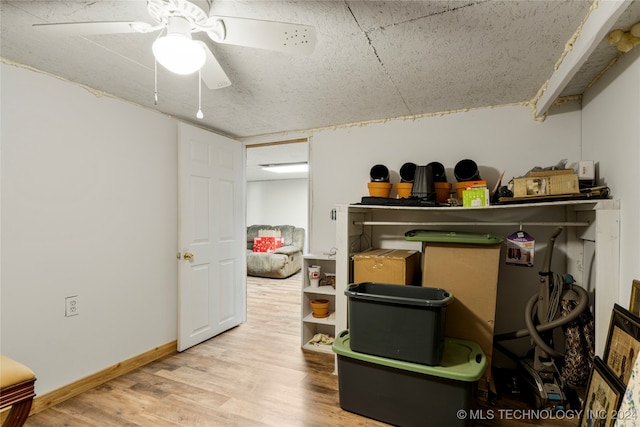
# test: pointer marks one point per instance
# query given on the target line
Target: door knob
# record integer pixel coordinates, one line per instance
(188, 256)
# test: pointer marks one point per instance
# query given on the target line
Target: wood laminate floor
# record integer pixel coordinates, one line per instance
(253, 375)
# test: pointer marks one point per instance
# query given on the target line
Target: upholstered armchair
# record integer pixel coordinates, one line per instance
(284, 261)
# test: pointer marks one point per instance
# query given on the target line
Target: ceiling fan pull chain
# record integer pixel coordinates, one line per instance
(199, 114)
(155, 83)
(155, 70)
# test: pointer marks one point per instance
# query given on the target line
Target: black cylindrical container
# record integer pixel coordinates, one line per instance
(439, 174)
(379, 173)
(466, 170)
(408, 172)
(423, 187)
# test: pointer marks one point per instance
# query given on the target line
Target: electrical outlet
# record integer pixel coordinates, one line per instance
(71, 306)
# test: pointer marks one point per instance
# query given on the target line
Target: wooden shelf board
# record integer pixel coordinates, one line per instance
(323, 290)
(329, 320)
(323, 348)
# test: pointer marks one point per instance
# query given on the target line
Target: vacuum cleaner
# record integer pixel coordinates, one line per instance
(539, 369)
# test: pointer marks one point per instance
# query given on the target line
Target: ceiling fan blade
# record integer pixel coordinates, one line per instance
(95, 28)
(270, 35)
(212, 73)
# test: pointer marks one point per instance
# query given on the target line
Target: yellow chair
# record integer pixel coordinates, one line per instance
(16, 390)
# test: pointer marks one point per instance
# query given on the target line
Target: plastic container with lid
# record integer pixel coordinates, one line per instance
(398, 321)
(410, 394)
(457, 237)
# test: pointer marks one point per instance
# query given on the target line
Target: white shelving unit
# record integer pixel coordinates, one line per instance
(360, 227)
(312, 325)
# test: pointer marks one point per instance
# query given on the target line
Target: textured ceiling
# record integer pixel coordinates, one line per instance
(374, 60)
(293, 152)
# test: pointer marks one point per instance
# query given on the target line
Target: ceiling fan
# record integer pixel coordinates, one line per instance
(175, 48)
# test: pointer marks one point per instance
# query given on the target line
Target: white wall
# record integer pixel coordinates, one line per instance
(611, 136)
(89, 208)
(277, 202)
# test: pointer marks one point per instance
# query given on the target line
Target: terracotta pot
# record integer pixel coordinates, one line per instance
(320, 308)
(404, 189)
(379, 189)
(442, 191)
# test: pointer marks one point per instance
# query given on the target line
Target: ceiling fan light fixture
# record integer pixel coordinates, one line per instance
(179, 53)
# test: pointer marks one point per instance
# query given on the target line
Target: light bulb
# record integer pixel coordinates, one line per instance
(179, 54)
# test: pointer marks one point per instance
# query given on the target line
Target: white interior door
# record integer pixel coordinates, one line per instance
(212, 236)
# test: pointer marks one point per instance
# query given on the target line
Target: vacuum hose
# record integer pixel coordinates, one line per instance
(533, 329)
(530, 309)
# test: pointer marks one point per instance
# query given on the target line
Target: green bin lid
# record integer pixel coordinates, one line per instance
(462, 360)
(440, 236)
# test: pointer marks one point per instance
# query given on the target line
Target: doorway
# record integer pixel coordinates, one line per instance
(276, 198)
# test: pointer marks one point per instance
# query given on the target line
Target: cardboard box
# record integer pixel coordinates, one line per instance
(521, 249)
(392, 266)
(468, 185)
(470, 273)
(547, 183)
(475, 197)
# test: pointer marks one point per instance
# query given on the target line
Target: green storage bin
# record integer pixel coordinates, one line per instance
(457, 237)
(410, 394)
